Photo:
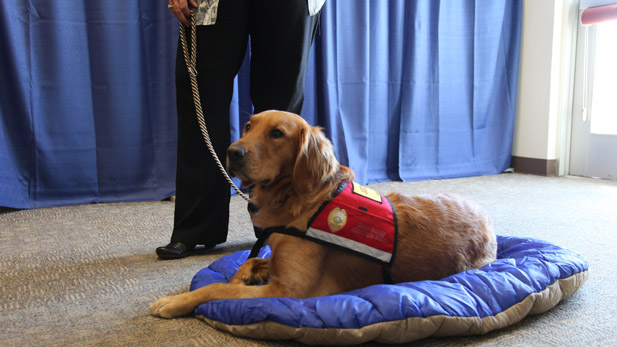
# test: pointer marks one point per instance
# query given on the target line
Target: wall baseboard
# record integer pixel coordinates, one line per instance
(541, 167)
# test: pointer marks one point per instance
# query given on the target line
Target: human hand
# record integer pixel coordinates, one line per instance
(180, 8)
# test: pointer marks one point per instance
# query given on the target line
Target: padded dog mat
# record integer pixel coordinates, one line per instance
(530, 276)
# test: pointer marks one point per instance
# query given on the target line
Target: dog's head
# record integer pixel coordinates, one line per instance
(278, 145)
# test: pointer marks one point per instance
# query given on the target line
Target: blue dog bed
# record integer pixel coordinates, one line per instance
(529, 277)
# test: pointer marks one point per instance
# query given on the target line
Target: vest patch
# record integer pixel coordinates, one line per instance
(358, 219)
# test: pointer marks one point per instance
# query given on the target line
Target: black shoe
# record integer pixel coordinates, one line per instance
(175, 250)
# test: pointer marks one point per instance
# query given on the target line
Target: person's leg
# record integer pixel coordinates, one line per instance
(202, 194)
(281, 36)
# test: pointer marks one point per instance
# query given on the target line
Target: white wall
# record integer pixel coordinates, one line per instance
(545, 81)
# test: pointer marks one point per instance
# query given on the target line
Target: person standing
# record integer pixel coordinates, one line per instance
(281, 33)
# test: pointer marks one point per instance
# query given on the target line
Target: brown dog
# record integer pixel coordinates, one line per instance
(293, 170)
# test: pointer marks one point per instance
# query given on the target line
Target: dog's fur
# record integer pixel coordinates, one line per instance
(292, 170)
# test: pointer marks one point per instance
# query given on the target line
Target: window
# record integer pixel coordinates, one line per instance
(604, 99)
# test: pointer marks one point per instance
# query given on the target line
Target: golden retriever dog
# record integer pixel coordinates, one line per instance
(292, 170)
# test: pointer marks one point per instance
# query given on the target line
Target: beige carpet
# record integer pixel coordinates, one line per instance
(86, 275)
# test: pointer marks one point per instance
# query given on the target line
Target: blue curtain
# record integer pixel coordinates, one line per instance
(417, 90)
(87, 102)
(406, 90)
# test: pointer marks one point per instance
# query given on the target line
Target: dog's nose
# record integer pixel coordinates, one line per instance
(236, 153)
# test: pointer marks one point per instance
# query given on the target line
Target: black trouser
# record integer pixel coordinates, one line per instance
(281, 35)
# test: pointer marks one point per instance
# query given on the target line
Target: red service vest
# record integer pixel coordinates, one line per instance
(358, 219)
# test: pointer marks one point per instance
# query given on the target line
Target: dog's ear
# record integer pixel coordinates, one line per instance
(315, 161)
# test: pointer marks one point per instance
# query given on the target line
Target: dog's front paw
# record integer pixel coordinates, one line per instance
(253, 271)
(172, 306)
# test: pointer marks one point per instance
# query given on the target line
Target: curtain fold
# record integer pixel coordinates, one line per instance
(405, 90)
(16, 150)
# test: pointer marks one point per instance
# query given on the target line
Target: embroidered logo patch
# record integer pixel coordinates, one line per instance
(337, 218)
(366, 192)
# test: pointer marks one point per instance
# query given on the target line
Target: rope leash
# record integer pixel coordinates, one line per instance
(191, 60)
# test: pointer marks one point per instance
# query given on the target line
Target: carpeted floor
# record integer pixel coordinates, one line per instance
(86, 275)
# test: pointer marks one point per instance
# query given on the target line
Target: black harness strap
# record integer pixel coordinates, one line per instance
(262, 235)
(261, 240)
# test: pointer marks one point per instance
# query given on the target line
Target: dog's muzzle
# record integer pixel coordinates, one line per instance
(235, 157)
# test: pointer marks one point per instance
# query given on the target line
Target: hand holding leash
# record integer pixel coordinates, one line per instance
(180, 8)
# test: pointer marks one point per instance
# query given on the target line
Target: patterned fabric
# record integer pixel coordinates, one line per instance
(207, 10)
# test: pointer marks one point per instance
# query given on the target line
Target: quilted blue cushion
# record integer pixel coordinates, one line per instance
(530, 276)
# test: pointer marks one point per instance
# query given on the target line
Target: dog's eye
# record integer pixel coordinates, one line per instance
(247, 127)
(275, 133)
